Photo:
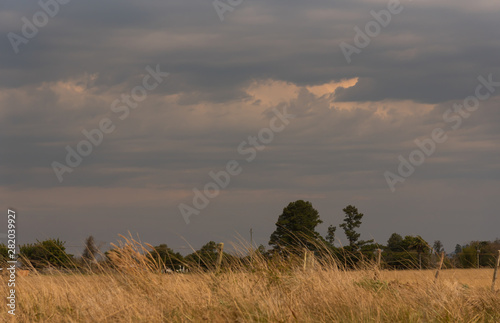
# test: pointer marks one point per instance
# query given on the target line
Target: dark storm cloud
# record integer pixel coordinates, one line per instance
(428, 53)
(65, 79)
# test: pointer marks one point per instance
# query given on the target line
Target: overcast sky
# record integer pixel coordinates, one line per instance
(351, 120)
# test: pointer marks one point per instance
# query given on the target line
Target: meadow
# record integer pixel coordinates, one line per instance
(260, 292)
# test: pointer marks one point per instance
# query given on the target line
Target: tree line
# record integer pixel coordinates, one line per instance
(295, 232)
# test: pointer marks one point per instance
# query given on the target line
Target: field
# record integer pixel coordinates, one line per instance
(264, 294)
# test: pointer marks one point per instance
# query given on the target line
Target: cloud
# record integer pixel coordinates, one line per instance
(353, 120)
(428, 53)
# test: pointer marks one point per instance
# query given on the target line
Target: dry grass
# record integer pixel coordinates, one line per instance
(262, 293)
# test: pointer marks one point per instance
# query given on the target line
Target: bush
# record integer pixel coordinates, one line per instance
(47, 253)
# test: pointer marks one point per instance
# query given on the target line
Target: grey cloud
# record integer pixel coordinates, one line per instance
(292, 45)
(430, 53)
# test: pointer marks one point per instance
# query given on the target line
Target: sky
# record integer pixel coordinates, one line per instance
(389, 106)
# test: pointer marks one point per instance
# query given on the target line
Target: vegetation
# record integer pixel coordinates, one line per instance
(304, 278)
(4, 254)
(476, 254)
(262, 290)
(166, 257)
(91, 251)
(205, 258)
(330, 236)
(47, 253)
(352, 221)
(295, 231)
(296, 227)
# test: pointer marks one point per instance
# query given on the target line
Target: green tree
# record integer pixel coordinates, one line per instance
(4, 255)
(296, 227)
(166, 257)
(418, 244)
(395, 242)
(50, 252)
(395, 256)
(261, 249)
(330, 236)
(489, 253)
(468, 257)
(205, 257)
(438, 246)
(479, 254)
(456, 256)
(352, 221)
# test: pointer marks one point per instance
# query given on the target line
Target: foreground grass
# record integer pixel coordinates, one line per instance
(263, 295)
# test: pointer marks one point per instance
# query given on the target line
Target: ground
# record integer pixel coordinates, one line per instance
(263, 294)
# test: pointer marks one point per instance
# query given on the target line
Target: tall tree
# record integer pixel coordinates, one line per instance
(167, 257)
(205, 257)
(395, 243)
(330, 236)
(90, 252)
(352, 221)
(296, 227)
(417, 244)
(438, 246)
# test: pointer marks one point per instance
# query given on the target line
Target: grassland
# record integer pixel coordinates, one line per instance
(257, 293)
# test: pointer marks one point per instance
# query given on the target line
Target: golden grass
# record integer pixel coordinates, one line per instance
(261, 293)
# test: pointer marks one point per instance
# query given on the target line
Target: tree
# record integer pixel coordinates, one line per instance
(330, 236)
(395, 242)
(166, 257)
(261, 250)
(352, 221)
(259, 253)
(395, 255)
(417, 244)
(468, 257)
(438, 246)
(50, 252)
(91, 250)
(205, 257)
(296, 227)
(4, 255)
(479, 254)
